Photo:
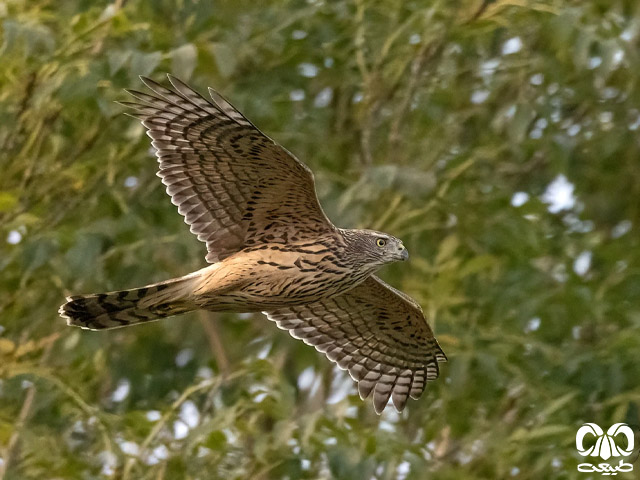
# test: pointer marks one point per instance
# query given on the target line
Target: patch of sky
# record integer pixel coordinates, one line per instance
(122, 391)
(308, 70)
(559, 194)
(582, 263)
(511, 46)
(479, 96)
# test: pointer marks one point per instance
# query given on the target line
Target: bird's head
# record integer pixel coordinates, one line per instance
(375, 249)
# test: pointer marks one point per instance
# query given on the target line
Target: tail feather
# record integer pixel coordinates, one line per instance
(129, 307)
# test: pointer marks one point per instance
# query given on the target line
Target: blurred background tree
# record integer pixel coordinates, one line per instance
(498, 139)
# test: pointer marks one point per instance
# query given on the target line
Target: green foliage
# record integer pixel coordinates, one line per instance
(444, 123)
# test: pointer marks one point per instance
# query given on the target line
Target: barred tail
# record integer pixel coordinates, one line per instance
(129, 307)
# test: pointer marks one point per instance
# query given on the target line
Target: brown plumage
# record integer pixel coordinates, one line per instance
(272, 249)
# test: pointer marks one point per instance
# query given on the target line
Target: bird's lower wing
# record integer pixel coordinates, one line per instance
(375, 332)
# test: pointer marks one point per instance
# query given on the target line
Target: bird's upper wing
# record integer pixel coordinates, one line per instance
(374, 331)
(234, 186)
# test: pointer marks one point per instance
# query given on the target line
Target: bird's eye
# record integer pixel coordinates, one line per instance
(381, 242)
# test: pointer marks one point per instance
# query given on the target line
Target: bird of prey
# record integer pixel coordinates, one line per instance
(272, 250)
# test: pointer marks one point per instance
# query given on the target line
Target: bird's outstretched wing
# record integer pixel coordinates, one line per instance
(234, 186)
(375, 332)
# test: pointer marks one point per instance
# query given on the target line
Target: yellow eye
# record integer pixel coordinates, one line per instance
(381, 242)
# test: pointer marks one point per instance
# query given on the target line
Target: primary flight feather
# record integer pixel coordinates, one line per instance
(272, 250)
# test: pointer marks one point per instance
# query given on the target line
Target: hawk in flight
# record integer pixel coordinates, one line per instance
(272, 250)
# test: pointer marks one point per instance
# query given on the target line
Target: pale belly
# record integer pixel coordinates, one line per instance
(266, 279)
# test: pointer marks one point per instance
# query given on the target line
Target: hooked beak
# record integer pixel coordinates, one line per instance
(404, 253)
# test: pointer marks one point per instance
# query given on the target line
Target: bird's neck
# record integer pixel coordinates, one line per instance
(352, 248)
